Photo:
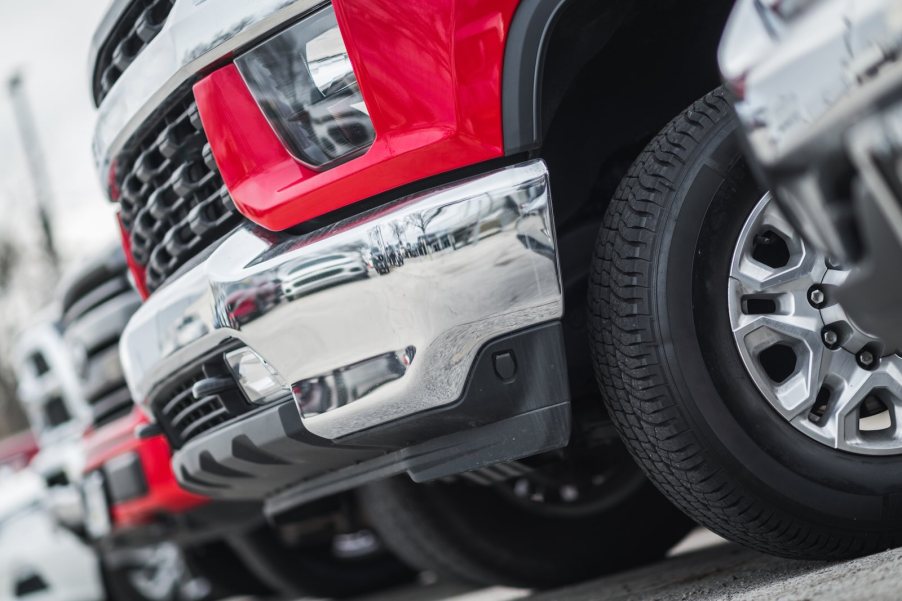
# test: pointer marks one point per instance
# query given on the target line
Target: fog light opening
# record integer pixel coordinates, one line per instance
(258, 380)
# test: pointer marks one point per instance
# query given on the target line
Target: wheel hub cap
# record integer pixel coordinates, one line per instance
(832, 380)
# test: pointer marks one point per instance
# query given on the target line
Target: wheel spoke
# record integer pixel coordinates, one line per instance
(802, 268)
(772, 218)
(758, 277)
(804, 328)
(804, 353)
(798, 395)
(839, 421)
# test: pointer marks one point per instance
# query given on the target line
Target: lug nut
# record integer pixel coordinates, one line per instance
(816, 297)
(866, 359)
(830, 338)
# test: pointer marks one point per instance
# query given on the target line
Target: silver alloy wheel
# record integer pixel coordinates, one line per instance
(830, 379)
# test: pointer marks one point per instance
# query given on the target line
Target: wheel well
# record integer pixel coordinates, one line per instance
(614, 74)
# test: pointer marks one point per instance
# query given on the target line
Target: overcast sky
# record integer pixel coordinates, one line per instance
(48, 41)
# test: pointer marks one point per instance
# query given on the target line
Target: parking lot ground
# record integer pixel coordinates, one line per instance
(707, 569)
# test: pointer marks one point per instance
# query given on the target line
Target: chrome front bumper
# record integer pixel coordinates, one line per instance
(197, 36)
(390, 307)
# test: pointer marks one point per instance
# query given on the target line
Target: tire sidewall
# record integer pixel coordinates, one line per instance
(717, 398)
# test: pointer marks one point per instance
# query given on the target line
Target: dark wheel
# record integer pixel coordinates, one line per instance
(215, 571)
(166, 572)
(151, 573)
(737, 381)
(561, 518)
(334, 566)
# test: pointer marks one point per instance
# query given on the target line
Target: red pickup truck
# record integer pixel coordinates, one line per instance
(340, 214)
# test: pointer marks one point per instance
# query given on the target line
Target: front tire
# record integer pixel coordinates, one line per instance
(674, 379)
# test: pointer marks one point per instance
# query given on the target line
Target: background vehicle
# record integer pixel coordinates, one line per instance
(38, 559)
(824, 147)
(128, 491)
(157, 540)
(17, 450)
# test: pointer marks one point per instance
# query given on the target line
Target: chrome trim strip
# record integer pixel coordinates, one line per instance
(197, 35)
(422, 283)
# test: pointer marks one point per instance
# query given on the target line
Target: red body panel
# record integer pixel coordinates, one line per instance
(430, 74)
(17, 450)
(164, 495)
(138, 272)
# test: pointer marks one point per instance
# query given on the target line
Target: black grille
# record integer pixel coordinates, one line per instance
(104, 387)
(100, 293)
(173, 201)
(99, 282)
(138, 25)
(111, 406)
(203, 397)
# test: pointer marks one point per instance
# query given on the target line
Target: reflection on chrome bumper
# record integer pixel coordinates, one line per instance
(197, 35)
(375, 318)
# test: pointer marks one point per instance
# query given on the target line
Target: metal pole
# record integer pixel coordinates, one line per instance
(34, 157)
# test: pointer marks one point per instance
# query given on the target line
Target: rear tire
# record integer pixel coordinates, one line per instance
(673, 377)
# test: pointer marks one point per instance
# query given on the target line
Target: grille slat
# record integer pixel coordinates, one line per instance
(173, 201)
(206, 422)
(179, 399)
(202, 406)
(94, 298)
(111, 406)
(201, 398)
(140, 23)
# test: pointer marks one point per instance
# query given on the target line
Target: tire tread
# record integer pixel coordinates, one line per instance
(634, 380)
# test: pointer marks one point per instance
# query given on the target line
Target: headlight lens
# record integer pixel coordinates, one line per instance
(304, 83)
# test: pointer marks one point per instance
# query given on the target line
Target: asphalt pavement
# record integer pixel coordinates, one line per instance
(706, 568)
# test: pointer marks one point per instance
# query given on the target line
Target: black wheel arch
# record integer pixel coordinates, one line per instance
(585, 85)
(550, 43)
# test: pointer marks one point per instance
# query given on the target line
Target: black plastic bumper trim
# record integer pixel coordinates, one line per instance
(520, 436)
(270, 455)
(524, 58)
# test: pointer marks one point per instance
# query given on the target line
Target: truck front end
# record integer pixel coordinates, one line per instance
(339, 262)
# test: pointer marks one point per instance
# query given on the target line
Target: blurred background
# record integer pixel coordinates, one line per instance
(51, 70)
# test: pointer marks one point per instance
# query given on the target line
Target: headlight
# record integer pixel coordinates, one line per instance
(303, 81)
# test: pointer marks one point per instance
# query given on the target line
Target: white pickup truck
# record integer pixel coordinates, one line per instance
(39, 560)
